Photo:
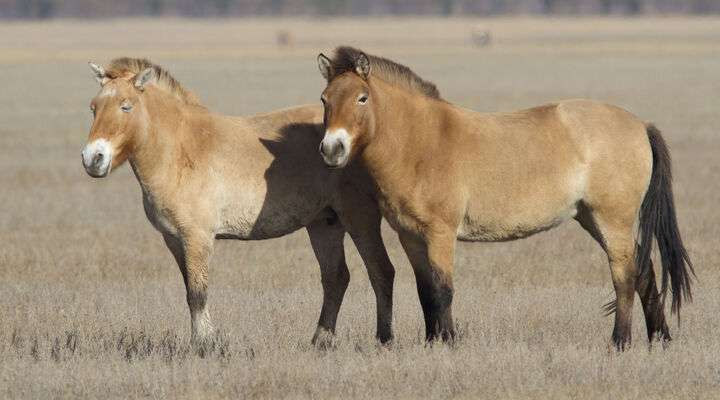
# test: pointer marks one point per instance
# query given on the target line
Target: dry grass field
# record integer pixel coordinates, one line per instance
(92, 304)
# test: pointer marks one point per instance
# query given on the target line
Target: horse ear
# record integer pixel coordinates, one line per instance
(325, 66)
(98, 72)
(362, 66)
(144, 77)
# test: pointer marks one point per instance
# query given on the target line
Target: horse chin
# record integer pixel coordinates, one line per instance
(337, 164)
(98, 174)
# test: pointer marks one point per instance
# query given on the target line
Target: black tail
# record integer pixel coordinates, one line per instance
(657, 217)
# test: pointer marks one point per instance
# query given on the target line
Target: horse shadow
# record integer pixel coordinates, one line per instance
(299, 185)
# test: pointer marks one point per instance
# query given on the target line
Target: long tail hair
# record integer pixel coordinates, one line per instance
(657, 217)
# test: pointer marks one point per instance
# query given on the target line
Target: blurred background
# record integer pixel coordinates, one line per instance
(225, 8)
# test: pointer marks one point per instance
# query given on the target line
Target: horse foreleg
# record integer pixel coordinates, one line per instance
(192, 253)
(432, 262)
(362, 219)
(326, 238)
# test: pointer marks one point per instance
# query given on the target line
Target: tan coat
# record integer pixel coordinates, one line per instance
(206, 176)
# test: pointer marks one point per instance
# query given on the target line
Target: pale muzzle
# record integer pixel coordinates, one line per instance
(97, 158)
(335, 148)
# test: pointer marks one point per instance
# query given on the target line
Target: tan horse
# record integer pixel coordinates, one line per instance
(206, 176)
(447, 173)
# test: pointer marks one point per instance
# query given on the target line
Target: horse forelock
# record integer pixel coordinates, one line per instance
(126, 67)
(345, 59)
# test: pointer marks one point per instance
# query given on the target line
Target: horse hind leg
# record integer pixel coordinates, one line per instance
(645, 285)
(361, 217)
(326, 238)
(615, 236)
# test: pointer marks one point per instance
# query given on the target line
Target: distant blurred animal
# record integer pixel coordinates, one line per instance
(284, 38)
(481, 37)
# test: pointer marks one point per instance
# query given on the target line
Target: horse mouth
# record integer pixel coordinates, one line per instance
(98, 174)
(340, 165)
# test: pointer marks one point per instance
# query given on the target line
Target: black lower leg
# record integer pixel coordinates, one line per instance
(436, 301)
(622, 336)
(334, 285)
(622, 332)
(384, 318)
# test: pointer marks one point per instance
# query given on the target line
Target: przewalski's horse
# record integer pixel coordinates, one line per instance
(206, 176)
(445, 173)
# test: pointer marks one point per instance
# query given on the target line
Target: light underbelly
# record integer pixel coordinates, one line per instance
(523, 210)
(266, 221)
(258, 227)
(487, 227)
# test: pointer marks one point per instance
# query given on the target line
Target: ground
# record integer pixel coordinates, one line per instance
(93, 304)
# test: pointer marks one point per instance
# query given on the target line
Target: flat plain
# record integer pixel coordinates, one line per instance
(92, 304)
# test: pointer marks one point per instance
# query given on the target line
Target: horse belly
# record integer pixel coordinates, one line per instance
(517, 219)
(262, 219)
(510, 229)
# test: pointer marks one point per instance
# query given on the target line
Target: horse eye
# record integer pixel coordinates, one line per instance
(363, 99)
(126, 107)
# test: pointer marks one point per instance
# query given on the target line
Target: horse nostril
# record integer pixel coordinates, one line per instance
(98, 158)
(321, 149)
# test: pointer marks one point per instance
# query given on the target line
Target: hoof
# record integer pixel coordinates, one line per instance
(663, 338)
(324, 339)
(444, 336)
(622, 338)
(620, 345)
(205, 341)
(385, 341)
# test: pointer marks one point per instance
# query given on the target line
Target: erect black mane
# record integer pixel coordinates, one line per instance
(344, 59)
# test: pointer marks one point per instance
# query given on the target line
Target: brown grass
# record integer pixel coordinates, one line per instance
(93, 305)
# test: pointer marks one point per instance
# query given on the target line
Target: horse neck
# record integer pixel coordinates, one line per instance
(154, 155)
(395, 142)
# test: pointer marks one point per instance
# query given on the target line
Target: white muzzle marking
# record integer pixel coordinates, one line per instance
(335, 148)
(97, 158)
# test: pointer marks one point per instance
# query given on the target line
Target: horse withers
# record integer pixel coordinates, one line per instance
(206, 176)
(445, 173)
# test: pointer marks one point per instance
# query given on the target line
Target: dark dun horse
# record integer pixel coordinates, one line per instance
(445, 173)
